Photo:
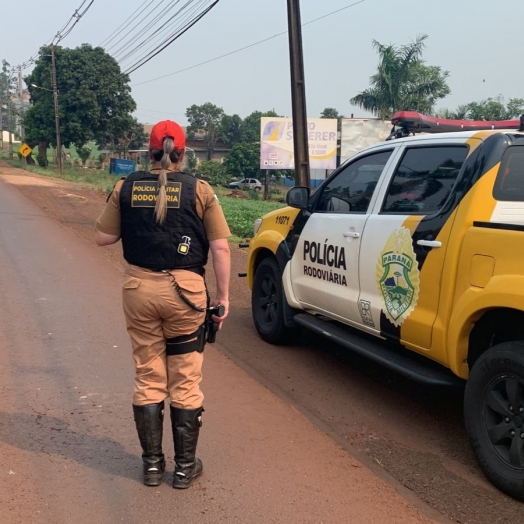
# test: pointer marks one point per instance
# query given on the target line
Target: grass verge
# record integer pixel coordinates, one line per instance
(99, 178)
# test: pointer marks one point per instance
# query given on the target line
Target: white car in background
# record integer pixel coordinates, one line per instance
(246, 183)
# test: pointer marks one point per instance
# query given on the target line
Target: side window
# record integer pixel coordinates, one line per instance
(350, 191)
(509, 185)
(424, 179)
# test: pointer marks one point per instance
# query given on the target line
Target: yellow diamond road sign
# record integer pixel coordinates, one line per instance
(24, 150)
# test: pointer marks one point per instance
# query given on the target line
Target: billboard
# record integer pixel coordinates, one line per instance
(359, 133)
(277, 149)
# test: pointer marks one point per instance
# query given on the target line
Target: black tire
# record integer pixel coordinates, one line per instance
(494, 415)
(257, 188)
(267, 304)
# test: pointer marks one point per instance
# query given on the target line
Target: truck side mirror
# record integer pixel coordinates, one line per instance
(298, 197)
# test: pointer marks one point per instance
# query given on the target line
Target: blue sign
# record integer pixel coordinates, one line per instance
(119, 166)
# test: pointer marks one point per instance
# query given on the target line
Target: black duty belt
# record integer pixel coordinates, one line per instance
(198, 270)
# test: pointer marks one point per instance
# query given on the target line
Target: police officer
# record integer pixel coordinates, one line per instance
(168, 221)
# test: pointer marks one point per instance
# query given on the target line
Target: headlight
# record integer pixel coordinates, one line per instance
(256, 225)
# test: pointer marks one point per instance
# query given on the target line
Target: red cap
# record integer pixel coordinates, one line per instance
(167, 128)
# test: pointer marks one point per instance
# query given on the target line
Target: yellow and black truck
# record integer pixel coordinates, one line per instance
(412, 254)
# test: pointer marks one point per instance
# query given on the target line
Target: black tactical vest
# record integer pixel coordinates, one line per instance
(180, 242)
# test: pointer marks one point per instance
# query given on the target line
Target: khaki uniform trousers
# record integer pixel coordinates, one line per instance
(154, 312)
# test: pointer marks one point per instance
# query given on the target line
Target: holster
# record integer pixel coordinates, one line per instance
(187, 343)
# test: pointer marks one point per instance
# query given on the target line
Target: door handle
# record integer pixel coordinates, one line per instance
(429, 243)
(351, 234)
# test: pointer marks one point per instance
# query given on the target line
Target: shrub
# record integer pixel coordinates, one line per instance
(84, 152)
(254, 195)
(192, 162)
(213, 172)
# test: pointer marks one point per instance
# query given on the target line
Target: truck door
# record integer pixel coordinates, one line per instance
(325, 263)
(408, 231)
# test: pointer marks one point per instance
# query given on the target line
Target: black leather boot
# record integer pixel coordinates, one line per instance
(186, 427)
(149, 424)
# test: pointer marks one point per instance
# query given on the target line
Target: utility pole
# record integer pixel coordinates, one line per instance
(57, 118)
(21, 98)
(7, 75)
(9, 124)
(1, 120)
(298, 95)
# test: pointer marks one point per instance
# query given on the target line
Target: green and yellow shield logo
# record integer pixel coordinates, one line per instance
(398, 277)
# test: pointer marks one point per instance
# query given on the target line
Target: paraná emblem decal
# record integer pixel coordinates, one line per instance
(398, 277)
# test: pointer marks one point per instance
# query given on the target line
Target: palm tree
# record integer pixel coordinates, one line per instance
(402, 81)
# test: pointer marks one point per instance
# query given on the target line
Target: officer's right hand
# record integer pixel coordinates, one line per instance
(220, 302)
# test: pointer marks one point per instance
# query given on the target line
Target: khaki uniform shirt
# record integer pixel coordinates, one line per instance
(207, 207)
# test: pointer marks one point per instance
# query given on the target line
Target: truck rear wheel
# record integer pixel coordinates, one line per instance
(267, 304)
(494, 415)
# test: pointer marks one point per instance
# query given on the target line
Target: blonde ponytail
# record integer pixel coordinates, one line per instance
(161, 201)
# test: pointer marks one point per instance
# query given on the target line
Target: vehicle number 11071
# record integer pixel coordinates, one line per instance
(282, 220)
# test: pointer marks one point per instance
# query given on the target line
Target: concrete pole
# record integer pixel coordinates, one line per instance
(298, 95)
(21, 98)
(57, 117)
(9, 123)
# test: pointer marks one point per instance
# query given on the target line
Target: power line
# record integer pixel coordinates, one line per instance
(148, 32)
(146, 38)
(122, 42)
(65, 31)
(153, 42)
(157, 35)
(170, 40)
(246, 47)
(75, 18)
(112, 36)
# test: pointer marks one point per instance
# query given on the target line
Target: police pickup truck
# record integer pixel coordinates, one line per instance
(412, 254)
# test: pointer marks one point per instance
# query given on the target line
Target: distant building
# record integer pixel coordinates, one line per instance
(198, 147)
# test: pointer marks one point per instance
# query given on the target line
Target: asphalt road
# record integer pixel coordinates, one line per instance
(68, 449)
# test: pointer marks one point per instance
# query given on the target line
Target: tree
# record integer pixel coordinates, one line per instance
(205, 119)
(122, 134)
(251, 125)
(231, 130)
(403, 81)
(243, 160)
(489, 109)
(84, 152)
(93, 93)
(6, 102)
(330, 112)
(460, 113)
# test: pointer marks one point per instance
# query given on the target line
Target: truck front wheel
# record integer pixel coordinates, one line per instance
(267, 304)
(494, 416)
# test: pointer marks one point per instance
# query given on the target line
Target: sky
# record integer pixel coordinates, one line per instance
(477, 41)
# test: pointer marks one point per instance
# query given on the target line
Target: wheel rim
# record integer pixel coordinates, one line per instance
(268, 301)
(503, 413)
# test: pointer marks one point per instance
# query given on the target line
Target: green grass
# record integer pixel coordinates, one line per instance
(240, 213)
